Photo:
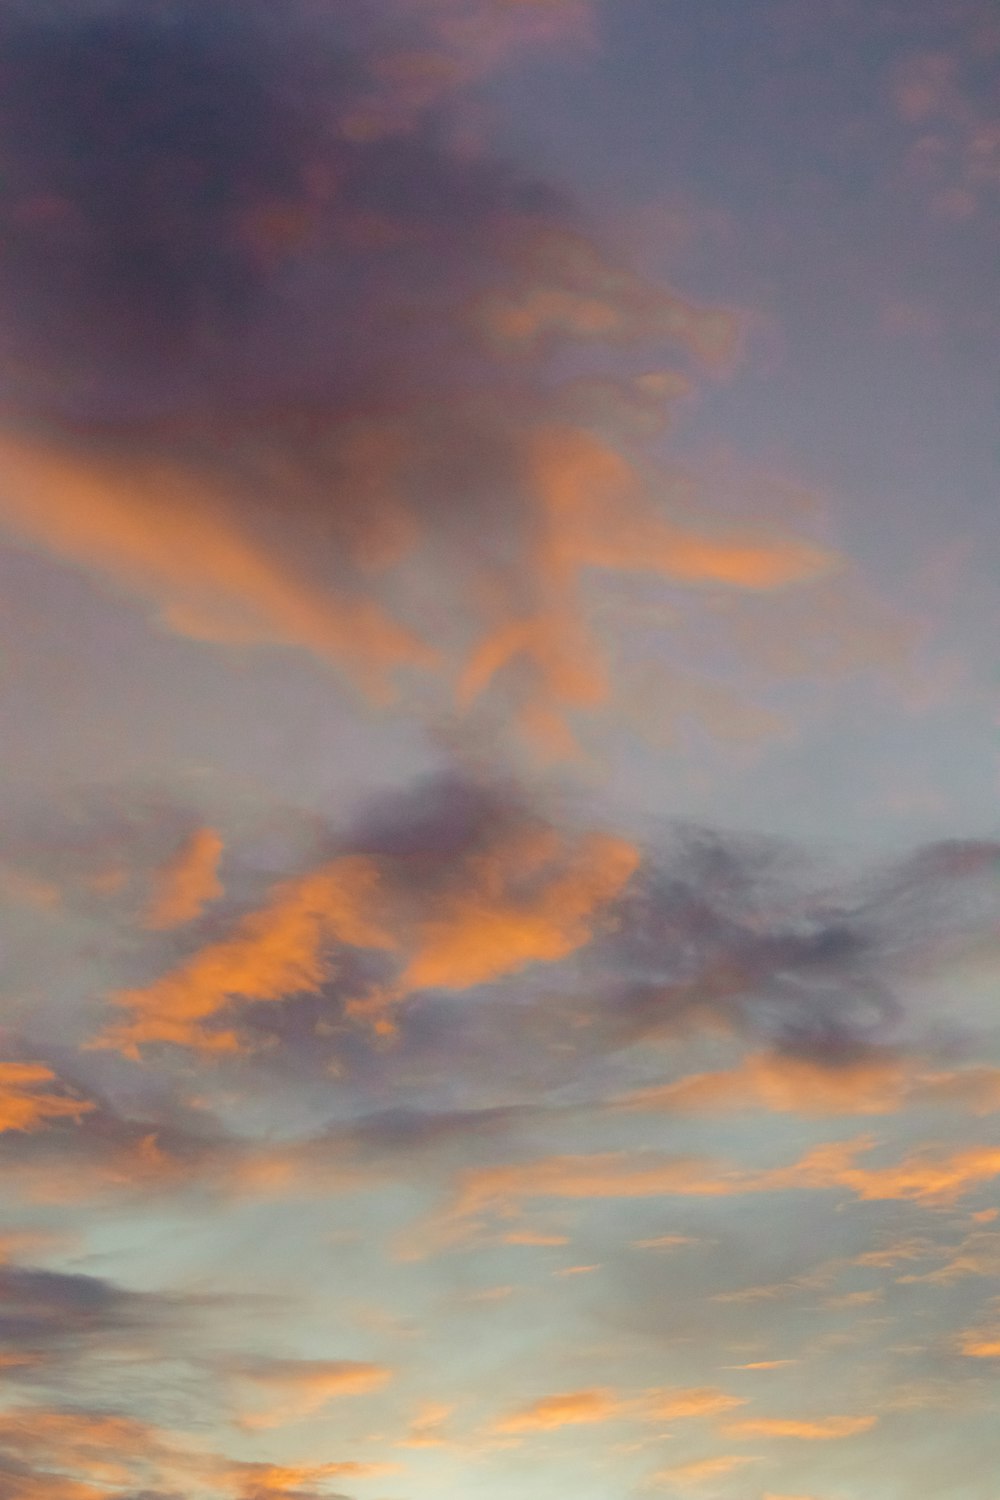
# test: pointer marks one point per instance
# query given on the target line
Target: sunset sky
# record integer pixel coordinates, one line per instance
(500, 876)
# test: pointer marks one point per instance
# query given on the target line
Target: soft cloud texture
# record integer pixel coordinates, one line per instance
(500, 881)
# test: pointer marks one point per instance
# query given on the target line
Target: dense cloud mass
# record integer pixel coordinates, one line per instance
(181, 179)
(277, 355)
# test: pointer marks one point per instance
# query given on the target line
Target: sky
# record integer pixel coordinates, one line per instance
(500, 861)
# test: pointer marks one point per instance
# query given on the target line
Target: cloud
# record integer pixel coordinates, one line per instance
(694, 1401)
(665, 1242)
(457, 884)
(977, 1255)
(980, 1343)
(207, 578)
(67, 1331)
(570, 1409)
(930, 1175)
(764, 1364)
(811, 1431)
(529, 901)
(278, 315)
(515, 892)
(89, 1447)
(280, 950)
(187, 882)
(499, 1190)
(20, 1483)
(76, 1453)
(297, 1388)
(428, 1429)
(565, 286)
(26, 1103)
(867, 1084)
(821, 978)
(701, 1470)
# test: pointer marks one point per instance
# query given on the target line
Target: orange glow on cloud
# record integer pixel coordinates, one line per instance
(600, 517)
(499, 916)
(490, 929)
(188, 881)
(205, 577)
(533, 899)
(297, 1388)
(697, 1401)
(24, 1103)
(928, 1176)
(701, 1470)
(785, 1085)
(981, 1344)
(569, 289)
(428, 1429)
(815, 1431)
(280, 950)
(567, 1410)
(595, 510)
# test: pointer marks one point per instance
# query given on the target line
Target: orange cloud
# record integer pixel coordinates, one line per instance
(87, 1455)
(593, 509)
(599, 516)
(764, 1364)
(534, 1237)
(260, 1481)
(49, 1486)
(281, 950)
(568, 1410)
(533, 898)
(817, 1431)
(24, 1103)
(205, 577)
(499, 1190)
(785, 1085)
(296, 1388)
(93, 1447)
(925, 1177)
(693, 1401)
(503, 922)
(568, 288)
(929, 1177)
(701, 1470)
(428, 1429)
(187, 882)
(980, 1343)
